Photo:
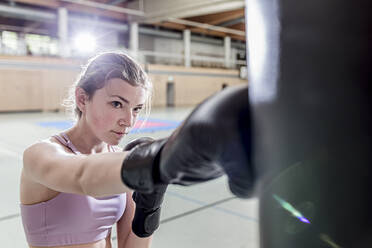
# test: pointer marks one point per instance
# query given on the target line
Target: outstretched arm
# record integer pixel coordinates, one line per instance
(96, 175)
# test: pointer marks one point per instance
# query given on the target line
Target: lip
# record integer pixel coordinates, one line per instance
(119, 133)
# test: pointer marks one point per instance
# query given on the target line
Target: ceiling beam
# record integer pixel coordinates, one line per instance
(22, 29)
(171, 25)
(23, 13)
(96, 12)
(239, 26)
(161, 10)
(43, 3)
(207, 26)
(178, 26)
(232, 22)
(217, 18)
(54, 4)
(27, 13)
(11, 2)
(106, 7)
(203, 31)
(116, 2)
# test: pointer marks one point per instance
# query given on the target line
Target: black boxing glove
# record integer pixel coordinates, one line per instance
(212, 141)
(147, 213)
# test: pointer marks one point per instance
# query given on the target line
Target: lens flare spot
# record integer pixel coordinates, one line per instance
(287, 206)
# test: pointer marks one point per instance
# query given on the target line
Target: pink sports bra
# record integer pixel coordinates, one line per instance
(71, 219)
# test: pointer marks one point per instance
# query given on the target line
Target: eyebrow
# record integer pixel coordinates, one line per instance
(125, 100)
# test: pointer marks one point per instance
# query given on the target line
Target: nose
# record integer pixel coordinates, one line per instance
(126, 119)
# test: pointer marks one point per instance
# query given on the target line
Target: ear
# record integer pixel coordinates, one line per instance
(81, 99)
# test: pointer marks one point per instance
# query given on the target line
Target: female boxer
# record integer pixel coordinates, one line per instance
(69, 197)
(71, 183)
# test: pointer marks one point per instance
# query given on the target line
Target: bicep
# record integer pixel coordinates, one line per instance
(47, 164)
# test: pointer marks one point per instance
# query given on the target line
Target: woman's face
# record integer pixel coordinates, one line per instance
(113, 110)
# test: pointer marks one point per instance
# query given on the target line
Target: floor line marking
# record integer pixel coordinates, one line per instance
(8, 217)
(197, 209)
(191, 211)
(227, 211)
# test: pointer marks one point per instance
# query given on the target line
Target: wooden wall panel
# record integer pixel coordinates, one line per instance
(24, 90)
(56, 86)
(159, 91)
(192, 85)
(42, 84)
(20, 90)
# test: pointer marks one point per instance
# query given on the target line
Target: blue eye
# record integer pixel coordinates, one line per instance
(116, 104)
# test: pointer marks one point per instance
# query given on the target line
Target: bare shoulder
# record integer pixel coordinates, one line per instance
(44, 156)
(43, 149)
(51, 167)
(32, 192)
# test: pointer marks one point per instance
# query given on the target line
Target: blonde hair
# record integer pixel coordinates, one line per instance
(104, 67)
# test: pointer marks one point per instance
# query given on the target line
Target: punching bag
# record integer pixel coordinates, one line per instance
(310, 92)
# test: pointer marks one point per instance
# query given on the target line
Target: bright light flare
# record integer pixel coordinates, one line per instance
(287, 206)
(85, 42)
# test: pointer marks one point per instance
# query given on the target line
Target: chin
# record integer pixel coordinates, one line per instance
(113, 142)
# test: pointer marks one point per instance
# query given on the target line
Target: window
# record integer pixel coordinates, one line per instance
(9, 40)
(37, 44)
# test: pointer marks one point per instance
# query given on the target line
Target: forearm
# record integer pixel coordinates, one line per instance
(134, 241)
(100, 174)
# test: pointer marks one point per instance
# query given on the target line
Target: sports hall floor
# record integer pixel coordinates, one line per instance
(205, 215)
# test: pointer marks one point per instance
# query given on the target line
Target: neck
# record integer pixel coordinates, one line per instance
(84, 139)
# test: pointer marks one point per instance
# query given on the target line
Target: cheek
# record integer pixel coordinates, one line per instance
(101, 117)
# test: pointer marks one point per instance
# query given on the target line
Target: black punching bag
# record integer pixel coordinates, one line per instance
(310, 93)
